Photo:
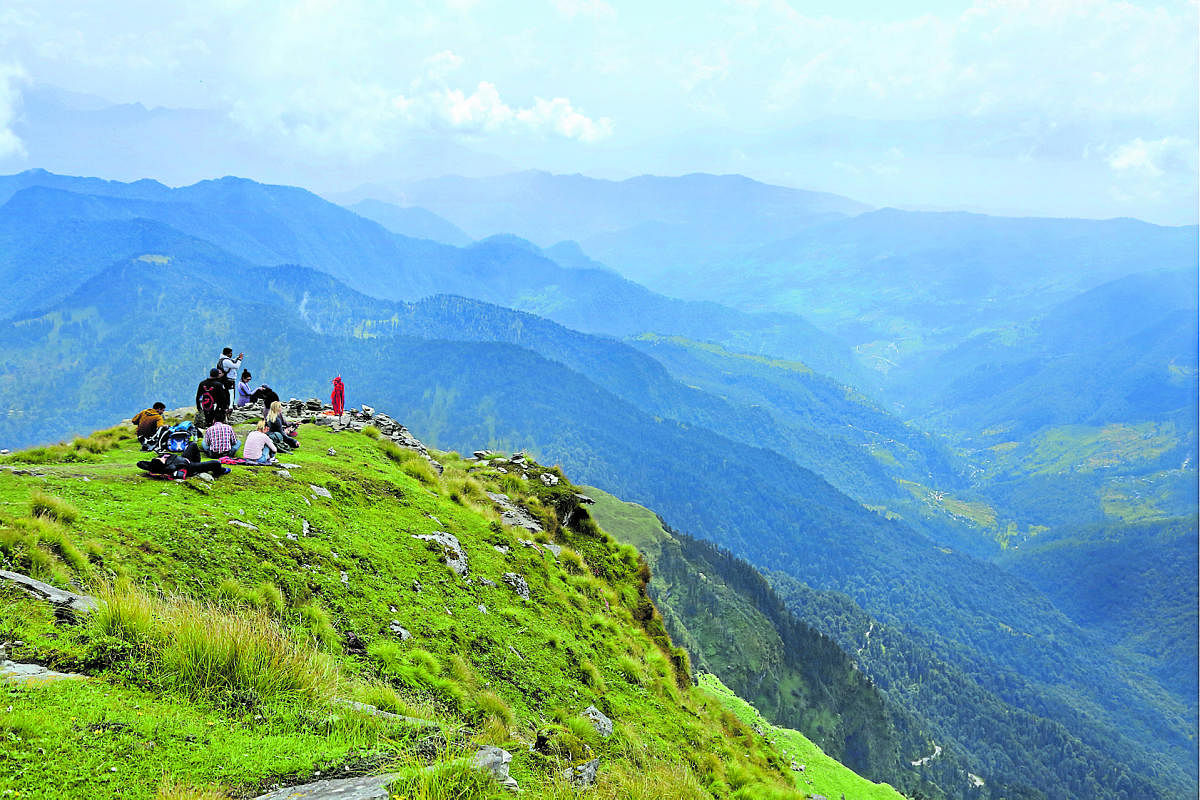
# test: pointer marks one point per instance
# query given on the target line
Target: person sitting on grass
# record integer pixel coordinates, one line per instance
(219, 440)
(183, 465)
(259, 449)
(279, 429)
(148, 422)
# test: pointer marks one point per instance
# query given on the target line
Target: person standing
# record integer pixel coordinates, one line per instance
(228, 367)
(212, 398)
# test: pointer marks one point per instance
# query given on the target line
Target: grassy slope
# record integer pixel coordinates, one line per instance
(519, 669)
(821, 775)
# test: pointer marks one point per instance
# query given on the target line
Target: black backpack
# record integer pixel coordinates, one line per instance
(208, 400)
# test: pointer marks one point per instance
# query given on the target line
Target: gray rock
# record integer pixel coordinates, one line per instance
(14, 672)
(549, 479)
(482, 609)
(305, 528)
(283, 473)
(204, 476)
(585, 500)
(345, 578)
(501, 549)
(372, 787)
(553, 548)
(43, 591)
(519, 584)
(601, 723)
(367, 411)
(366, 708)
(400, 631)
(237, 523)
(331, 452)
(487, 583)
(514, 515)
(293, 537)
(320, 491)
(583, 775)
(495, 761)
(456, 557)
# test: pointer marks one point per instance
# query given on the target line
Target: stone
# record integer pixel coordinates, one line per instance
(483, 454)
(320, 491)
(513, 515)
(549, 479)
(305, 528)
(456, 557)
(370, 787)
(237, 523)
(81, 603)
(345, 578)
(493, 760)
(293, 537)
(583, 775)
(601, 723)
(14, 672)
(585, 500)
(367, 411)
(501, 549)
(283, 473)
(417, 587)
(555, 549)
(206, 477)
(366, 708)
(487, 583)
(400, 631)
(482, 608)
(519, 584)
(331, 452)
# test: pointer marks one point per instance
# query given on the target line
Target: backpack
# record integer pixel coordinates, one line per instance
(224, 378)
(208, 400)
(180, 437)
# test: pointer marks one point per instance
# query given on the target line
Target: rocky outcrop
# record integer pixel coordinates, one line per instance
(352, 419)
(513, 515)
(78, 603)
(518, 584)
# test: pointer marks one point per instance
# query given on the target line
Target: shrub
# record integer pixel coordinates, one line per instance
(50, 507)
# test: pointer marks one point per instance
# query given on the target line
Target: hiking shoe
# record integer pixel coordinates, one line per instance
(225, 471)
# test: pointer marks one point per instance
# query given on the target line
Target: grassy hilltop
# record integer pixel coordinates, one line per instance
(238, 617)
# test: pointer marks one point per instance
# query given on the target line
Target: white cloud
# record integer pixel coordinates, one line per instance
(11, 76)
(1153, 159)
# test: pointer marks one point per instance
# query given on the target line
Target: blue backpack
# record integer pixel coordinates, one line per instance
(180, 436)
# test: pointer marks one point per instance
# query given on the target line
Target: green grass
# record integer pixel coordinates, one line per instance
(822, 774)
(226, 645)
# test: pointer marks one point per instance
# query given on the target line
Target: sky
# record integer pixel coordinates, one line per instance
(1046, 107)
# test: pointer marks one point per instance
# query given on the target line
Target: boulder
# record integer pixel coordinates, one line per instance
(320, 491)
(456, 557)
(518, 584)
(549, 479)
(601, 723)
(583, 775)
(494, 761)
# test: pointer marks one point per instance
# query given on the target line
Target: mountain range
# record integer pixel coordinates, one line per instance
(720, 420)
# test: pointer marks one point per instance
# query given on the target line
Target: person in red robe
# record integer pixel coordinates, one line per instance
(338, 398)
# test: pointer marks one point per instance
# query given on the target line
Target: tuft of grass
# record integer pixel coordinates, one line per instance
(317, 622)
(50, 507)
(201, 650)
(631, 670)
(371, 432)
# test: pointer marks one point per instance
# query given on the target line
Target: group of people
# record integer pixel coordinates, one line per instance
(214, 397)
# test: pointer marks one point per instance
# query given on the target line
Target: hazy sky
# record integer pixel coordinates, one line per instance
(1067, 107)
